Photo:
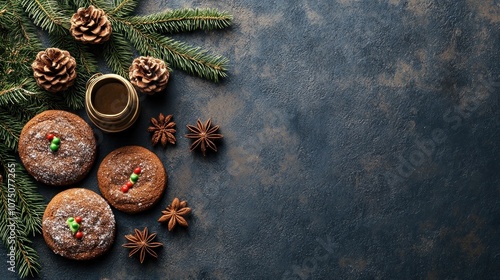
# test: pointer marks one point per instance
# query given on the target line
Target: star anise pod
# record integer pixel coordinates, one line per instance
(204, 135)
(174, 214)
(163, 130)
(142, 242)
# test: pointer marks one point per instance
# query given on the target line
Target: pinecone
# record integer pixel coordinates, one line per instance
(54, 69)
(148, 74)
(90, 25)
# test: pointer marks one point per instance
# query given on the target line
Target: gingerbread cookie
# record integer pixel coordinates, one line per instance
(132, 179)
(78, 224)
(57, 148)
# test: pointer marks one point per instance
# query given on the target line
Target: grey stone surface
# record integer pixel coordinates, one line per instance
(361, 142)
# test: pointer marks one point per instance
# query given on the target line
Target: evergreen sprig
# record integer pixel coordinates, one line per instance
(146, 33)
(182, 20)
(29, 202)
(45, 15)
(22, 220)
(123, 7)
(118, 55)
(193, 60)
(9, 130)
(13, 95)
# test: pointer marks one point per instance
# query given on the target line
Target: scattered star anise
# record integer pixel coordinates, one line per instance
(142, 242)
(163, 130)
(174, 214)
(204, 135)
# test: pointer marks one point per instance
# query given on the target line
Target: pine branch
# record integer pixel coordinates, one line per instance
(123, 7)
(75, 99)
(74, 4)
(193, 60)
(11, 94)
(182, 20)
(101, 4)
(10, 129)
(4, 207)
(25, 111)
(15, 61)
(30, 203)
(6, 17)
(25, 28)
(19, 45)
(118, 54)
(26, 257)
(37, 103)
(44, 16)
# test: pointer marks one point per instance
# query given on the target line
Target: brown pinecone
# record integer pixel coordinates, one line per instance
(90, 25)
(54, 69)
(148, 74)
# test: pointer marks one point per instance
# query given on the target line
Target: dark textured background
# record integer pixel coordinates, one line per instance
(361, 142)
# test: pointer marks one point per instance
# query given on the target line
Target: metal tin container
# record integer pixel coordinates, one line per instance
(111, 102)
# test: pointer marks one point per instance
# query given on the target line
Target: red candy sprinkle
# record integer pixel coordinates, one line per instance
(78, 219)
(50, 136)
(124, 188)
(130, 183)
(79, 234)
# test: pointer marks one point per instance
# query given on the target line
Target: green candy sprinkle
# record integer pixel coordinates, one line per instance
(134, 177)
(54, 147)
(74, 227)
(56, 141)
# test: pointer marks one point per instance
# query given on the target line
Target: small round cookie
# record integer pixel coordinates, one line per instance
(57, 147)
(95, 232)
(132, 179)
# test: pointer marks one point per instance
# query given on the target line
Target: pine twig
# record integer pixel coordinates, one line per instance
(13, 95)
(44, 16)
(123, 7)
(118, 54)
(24, 111)
(74, 4)
(182, 20)
(30, 202)
(26, 257)
(25, 28)
(9, 130)
(193, 60)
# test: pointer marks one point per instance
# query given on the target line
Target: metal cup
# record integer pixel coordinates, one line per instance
(111, 102)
